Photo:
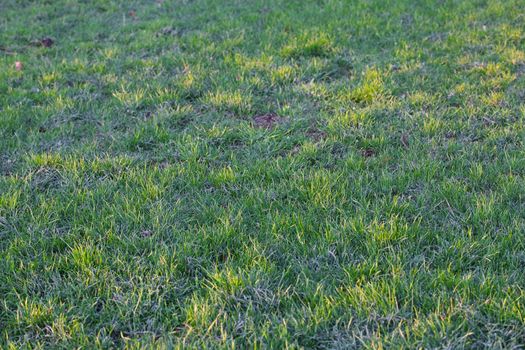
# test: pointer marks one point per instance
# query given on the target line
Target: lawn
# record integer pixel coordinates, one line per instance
(317, 174)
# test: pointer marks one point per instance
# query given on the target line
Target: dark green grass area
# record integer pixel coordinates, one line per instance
(262, 174)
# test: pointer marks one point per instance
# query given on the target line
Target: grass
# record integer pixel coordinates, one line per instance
(142, 207)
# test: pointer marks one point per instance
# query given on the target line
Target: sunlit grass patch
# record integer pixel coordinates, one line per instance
(237, 102)
(129, 98)
(148, 137)
(222, 176)
(309, 44)
(432, 125)
(34, 315)
(345, 120)
(191, 82)
(247, 63)
(513, 56)
(283, 74)
(494, 99)
(370, 88)
(421, 99)
(408, 53)
(85, 258)
(50, 78)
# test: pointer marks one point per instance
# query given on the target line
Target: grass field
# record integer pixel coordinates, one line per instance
(262, 174)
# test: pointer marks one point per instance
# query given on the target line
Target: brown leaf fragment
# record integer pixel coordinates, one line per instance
(487, 121)
(368, 152)
(316, 134)
(146, 233)
(267, 121)
(404, 140)
(47, 42)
